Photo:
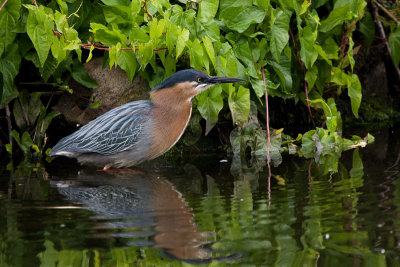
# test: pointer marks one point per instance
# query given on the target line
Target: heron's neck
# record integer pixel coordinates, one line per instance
(171, 115)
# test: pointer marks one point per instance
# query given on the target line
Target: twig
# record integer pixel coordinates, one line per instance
(8, 115)
(1, 7)
(381, 33)
(307, 100)
(100, 46)
(34, 1)
(145, 9)
(387, 12)
(267, 112)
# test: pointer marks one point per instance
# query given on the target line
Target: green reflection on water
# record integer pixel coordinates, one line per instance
(309, 218)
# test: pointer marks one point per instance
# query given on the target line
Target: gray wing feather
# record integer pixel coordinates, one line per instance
(117, 130)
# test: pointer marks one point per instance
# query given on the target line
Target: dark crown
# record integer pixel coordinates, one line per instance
(189, 75)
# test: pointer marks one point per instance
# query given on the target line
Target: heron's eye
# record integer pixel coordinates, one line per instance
(198, 80)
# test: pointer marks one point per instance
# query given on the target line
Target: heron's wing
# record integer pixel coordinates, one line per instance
(117, 130)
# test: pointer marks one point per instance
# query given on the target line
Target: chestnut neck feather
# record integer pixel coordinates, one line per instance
(171, 114)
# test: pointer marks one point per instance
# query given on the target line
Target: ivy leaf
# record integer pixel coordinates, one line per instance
(307, 52)
(183, 37)
(9, 67)
(138, 35)
(118, 14)
(57, 49)
(39, 27)
(279, 33)
(145, 53)
(95, 105)
(207, 9)
(394, 43)
(239, 104)
(311, 76)
(354, 92)
(106, 36)
(336, 17)
(127, 62)
(80, 74)
(283, 69)
(196, 53)
(9, 16)
(171, 37)
(209, 49)
(209, 105)
(239, 20)
(367, 27)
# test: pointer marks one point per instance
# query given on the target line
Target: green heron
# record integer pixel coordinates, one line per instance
(140, 130)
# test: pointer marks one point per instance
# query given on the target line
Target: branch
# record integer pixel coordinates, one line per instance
(387, 12)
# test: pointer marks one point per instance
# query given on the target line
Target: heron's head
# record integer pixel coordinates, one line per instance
(189, 83)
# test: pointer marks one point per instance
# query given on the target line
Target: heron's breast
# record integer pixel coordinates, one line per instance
(169, 123)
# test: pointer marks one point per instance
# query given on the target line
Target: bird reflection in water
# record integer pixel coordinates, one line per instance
(144, 201)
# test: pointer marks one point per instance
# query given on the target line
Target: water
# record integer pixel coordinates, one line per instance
(198, 212)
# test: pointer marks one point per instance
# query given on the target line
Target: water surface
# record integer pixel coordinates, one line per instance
(207, 210)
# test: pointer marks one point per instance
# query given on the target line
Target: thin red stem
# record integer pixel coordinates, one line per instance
(267, 116)
(34, 1)
(307, 100)
(1, 7)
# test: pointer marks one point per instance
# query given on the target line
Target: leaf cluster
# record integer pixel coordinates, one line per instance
(306, 47)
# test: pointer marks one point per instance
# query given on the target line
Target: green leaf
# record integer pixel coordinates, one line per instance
(311, 76)
(95, 105)
(57, 49)
(183, 37)
(336, 17)
(39, 28)
(9, 67)
(80, 74)
(127, 62)
(145, 53)
(307, 52)
(207, 10)
(90, 53)
(138, 35)
(367, 27)
(209, 49)
(49, 67)
(26, 110)
(196, 53)
(240, 19)
(107, 36)
(26, 143)
(156, 29)
(279, 33)
(44, 124)
(357, 171)
(9, 16)
(8, 148)
(239, 104)
(354, 92)
(171, 37)
(209, 105)
(117, 14)
(283, 69)
(394, 43)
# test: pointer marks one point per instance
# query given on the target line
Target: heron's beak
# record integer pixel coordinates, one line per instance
(217, 80)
